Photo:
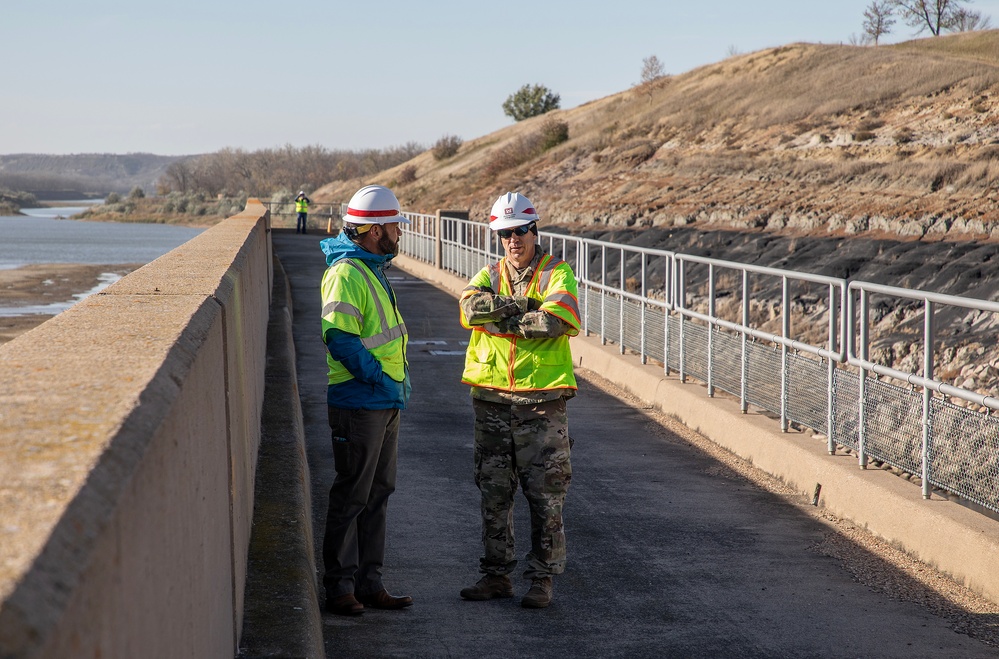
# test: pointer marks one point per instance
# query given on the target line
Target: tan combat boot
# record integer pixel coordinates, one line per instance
(488, 587)
(540, 594)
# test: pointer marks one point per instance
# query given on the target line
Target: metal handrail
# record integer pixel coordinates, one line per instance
(614, 279)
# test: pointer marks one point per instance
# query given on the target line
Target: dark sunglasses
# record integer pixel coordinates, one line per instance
(520, 231)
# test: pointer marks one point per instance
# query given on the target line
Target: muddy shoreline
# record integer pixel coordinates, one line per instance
(47, 283)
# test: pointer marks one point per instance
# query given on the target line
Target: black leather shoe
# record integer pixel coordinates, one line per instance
(382, 600)
(345, 605)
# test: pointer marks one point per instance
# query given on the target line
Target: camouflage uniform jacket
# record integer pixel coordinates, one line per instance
(521, 316)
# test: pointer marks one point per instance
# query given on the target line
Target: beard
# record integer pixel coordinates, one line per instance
(387, 245)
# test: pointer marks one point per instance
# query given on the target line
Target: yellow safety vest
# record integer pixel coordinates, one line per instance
(301, 206)
(364, 307)
(511, 363)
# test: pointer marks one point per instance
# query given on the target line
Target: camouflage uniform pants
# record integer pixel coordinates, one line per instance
(528, 444)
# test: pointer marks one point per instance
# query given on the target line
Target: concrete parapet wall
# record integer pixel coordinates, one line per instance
(955, 540)
(129, 429)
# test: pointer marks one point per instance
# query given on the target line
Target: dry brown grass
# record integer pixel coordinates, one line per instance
(819, 129)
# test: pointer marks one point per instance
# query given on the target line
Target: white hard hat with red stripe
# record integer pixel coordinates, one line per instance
(512, 210)
(374, 204)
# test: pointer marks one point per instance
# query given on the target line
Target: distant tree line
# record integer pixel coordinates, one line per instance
(265, 172)
(40, 184)
(933, 16)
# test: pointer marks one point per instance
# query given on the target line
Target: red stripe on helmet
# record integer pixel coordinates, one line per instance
(359, 213)
(528, 211)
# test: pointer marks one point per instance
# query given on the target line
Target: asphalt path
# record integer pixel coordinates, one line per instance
(669, 554)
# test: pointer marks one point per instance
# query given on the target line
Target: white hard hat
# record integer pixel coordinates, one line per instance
(301, 192)
(512, 210)
(374, 204)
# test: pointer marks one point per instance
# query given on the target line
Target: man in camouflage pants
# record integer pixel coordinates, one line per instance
(522, 311)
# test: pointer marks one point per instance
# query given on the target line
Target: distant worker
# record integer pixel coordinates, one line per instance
(366, 340)
(522, 312)
(302, 208)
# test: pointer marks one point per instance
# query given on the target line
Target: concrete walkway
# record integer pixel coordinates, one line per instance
(669, 554)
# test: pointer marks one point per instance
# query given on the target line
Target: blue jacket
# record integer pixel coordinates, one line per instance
(371, 388)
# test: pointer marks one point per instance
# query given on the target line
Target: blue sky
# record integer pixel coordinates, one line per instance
(194, 76)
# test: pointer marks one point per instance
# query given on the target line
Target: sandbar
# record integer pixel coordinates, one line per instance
(40, 284)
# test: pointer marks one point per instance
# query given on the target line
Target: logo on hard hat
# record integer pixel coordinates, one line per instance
(508, 211)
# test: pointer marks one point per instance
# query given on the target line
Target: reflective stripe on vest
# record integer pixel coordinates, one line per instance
(369, 321)
(386, 336)
(544, 277)
(346, 308)
(511, 363)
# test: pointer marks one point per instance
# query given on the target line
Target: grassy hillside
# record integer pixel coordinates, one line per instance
(803, 138)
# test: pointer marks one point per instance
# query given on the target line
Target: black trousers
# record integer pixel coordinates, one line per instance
(365, 450)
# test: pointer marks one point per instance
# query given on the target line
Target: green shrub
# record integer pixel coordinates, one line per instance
(112, 198)
(553, 132)
(530, 101)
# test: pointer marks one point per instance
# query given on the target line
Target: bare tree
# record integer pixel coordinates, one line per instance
(177, 177)
(652, 69)
(967, 20)
(936, 16)
(878, 19)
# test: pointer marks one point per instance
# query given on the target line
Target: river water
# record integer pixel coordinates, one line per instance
(41, 237)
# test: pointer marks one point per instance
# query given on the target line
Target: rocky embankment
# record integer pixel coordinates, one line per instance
(967, 353)
(871, 163)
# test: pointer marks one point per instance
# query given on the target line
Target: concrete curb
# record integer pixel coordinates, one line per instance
(282, 616)
(953, 539)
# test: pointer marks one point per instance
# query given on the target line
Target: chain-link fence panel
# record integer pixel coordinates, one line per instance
(964, 452)
(695, 350)
(846, 408)
(763, 376)
(633, 325)
(655, 337)
(807, 391)
(893, 425)
(611, 320)
(726, 362)
(673, 358)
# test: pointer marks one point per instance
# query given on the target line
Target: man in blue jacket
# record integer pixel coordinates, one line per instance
(366, 340)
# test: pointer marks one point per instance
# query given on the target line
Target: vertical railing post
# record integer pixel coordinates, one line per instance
(645, 359)
(438, 242)
(786, 333)
(603, 294)
(711, 328)
(862, 388)
(669, 294)
(744, 362)
(620, 314)
(830, 399)
(928, 341)
(584, 260)
(682, 304)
